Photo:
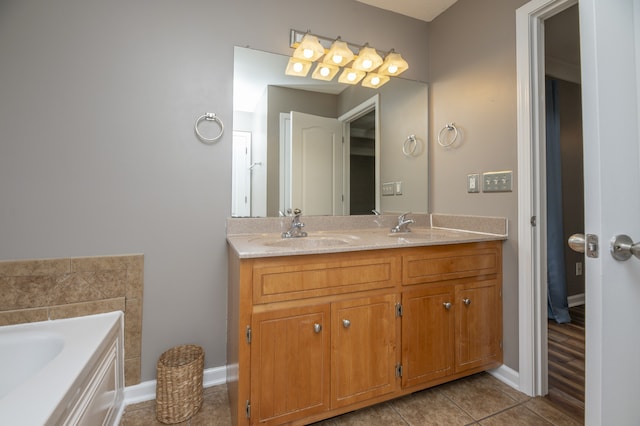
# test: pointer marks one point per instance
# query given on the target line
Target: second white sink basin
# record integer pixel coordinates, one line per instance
(310, 241)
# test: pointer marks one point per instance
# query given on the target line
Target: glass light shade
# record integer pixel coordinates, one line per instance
(298, 67)
(325, 72)
(351, 76)
(367, 60)
(374, 80)
(339, 54)
(393, 64)
(309, 49)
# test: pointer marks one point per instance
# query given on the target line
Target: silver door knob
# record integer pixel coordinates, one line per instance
(577, 242)
(317, 327)
(623, 247)
(346, 323)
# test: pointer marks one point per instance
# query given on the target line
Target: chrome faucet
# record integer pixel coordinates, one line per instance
(295, 230)
(403, 223)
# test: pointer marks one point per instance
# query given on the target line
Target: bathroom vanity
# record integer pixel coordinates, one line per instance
(343, 320)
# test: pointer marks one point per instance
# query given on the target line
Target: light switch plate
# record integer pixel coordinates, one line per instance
(388, 188)
(473, 183)
(497, 181)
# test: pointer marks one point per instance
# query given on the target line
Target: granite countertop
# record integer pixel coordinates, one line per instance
(251, 238)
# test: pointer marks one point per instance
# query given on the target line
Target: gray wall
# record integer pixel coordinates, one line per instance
(97, 150)
(472, 76)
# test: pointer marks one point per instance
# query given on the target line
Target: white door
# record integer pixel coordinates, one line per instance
(316, 164)
(241, 178)
(610, 83)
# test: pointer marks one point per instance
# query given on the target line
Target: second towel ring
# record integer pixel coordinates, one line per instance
(449, 127)
(209, 116)
(409, 145)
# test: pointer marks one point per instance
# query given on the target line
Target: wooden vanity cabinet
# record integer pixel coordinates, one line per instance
(314, 336)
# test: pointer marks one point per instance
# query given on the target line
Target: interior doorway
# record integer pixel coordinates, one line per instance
(564, 212)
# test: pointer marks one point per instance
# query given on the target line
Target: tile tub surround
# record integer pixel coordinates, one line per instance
(253, 237)
(41, 289)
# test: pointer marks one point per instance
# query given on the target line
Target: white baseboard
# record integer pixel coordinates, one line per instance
(576, 300)
(146, 391)
(507, 375)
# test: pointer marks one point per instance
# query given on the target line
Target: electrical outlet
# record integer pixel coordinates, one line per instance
(497, 181)
(473, 183)
(388, 188)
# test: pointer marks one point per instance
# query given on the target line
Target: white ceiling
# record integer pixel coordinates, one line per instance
(425, 10)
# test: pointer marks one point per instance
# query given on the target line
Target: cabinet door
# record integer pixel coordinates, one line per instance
(427, 334)
(364, 350)
(290, 362)
(478, 325)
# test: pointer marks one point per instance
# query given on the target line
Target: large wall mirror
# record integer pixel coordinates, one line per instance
(325, 148)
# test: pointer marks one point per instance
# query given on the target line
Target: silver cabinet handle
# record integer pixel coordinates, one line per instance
(346, 323)
(317, 327)
(623, 247)
(447, 305)
(466, 301)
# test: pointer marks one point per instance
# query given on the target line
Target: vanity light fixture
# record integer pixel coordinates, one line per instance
(309, 49)
(331, 55)
(351, 76)
(325, 71)
(374, 80)
(298, 67)
(367, 60)
(339, 54)
(393, 64)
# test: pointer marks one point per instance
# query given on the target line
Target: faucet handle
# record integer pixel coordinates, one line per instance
(403, 215)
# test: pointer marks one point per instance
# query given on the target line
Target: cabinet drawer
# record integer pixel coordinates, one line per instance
(444, 263)
(313, 276)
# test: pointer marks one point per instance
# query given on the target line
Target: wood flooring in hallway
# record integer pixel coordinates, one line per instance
(566, 363)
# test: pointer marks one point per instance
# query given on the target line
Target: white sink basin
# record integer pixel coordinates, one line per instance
(309, 242)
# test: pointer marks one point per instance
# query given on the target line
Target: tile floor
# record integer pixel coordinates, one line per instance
(476, 400)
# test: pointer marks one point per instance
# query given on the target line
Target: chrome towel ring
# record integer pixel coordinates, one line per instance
(209, 116)
(409, 145)
(450, 127)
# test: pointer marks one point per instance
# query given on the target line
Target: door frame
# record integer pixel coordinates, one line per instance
(532, 294)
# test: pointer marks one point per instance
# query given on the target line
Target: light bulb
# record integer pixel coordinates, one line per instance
(324, 71)
(393, 68)
(366, 64)
(297, 67)
(375, 81)
(337, 59)
(308, 53)
(351, 76)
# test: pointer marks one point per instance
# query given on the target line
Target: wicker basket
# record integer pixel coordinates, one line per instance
(179, 384)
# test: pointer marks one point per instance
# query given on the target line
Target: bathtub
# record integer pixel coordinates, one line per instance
(63, 372)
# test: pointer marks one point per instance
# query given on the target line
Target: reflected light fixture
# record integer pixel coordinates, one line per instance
(367, 60)
(309, 49)
(298, 67)
(374, 80)
(339, 54)
(351, 76)
(325, 72)
(393, 64)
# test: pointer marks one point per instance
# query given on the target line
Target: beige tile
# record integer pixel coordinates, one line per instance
(479, 395)
(544, 409)
(135, 281)
(87, 308)
(23, 316)
(99, 263)
(37, 267)
(430, 407)
(378, 415)
(519, 415)
(133, 327)
(215, 408)
(143, 414)
(74, 288)
(132, 371)
(23, 292)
